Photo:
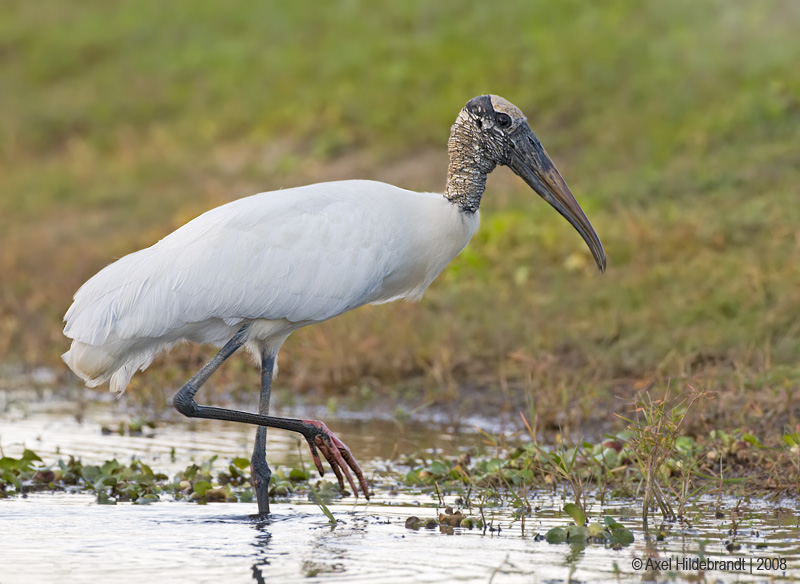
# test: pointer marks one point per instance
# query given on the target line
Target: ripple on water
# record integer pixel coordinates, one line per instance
(69, 537)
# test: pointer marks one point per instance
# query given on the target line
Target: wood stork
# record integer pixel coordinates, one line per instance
(253, 271)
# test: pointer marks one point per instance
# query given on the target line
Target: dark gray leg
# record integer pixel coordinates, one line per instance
(260, 473)
(315, 432)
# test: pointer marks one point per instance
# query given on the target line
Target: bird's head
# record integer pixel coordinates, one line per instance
(491, 130)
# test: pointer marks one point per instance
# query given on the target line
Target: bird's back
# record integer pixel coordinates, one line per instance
(288, 257)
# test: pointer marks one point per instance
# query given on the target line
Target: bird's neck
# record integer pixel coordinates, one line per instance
(469, 166)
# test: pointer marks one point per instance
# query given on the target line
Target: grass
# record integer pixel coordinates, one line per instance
(652, 441)
(676, 124)
(652, 460)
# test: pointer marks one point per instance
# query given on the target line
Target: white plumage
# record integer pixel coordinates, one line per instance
(281, 259)
(254, 270)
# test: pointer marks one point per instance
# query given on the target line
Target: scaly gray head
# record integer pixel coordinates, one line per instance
(490, 131)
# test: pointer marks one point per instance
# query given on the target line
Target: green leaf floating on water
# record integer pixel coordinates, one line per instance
(577, 534)
(91, 473)
(24, 463)
(438, 468)
(10, 478)
(110, 466)
(104, 483)
(596, 530)
(298, 475)
(611, 533)
(621, 534)
(200, 487)
(576, 513)
(571, 534)
(241, 463)
(556, 535)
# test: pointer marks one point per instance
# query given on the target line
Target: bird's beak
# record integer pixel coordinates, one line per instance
(530, 161)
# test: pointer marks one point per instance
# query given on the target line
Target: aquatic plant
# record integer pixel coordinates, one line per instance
(611, 533)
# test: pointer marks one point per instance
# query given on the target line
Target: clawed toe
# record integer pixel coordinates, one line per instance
(337, 454)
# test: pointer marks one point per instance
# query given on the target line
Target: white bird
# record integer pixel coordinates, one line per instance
(253, 271)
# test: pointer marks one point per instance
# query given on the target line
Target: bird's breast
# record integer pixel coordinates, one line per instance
(428, 239)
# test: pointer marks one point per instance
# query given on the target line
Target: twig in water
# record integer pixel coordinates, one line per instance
(498, 568)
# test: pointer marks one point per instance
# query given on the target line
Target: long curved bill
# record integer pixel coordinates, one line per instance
(530, 161)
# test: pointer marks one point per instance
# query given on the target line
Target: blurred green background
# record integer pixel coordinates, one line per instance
(675, 124)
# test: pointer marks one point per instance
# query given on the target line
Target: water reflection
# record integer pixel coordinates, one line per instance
(183, 542)
(261, 545)
(174, 444)
(574, 555)
(649, 572)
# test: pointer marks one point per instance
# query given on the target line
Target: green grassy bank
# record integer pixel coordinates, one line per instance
(675, 124)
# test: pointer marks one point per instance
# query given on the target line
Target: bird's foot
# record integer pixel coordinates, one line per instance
(336, 453)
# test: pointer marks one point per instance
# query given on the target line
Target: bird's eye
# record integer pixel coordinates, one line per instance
(503, 120)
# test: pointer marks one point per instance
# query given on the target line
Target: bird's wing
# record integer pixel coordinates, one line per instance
(303, 254)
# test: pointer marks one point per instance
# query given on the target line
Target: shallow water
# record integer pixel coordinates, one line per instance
(174, 444)
(48, 537)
